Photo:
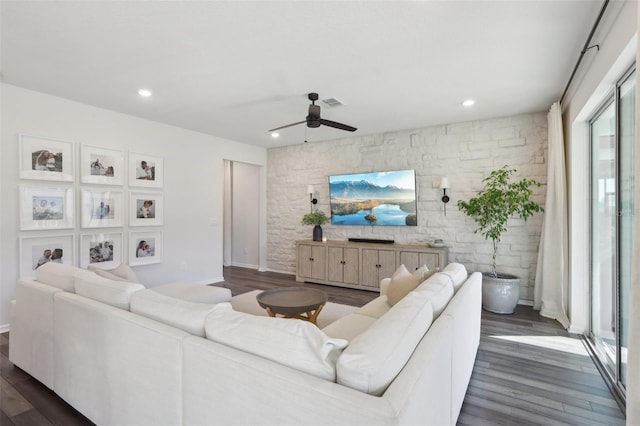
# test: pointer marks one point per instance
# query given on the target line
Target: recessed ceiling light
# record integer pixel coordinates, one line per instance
(144, 93)
(469, 102)
(275, 134)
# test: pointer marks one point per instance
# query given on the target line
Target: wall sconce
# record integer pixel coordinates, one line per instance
(313, 201)
(444, 184)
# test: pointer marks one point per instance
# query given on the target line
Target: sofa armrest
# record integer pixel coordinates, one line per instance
(31, 336)
(384, 285)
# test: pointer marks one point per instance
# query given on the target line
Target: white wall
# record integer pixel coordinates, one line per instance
(464, 152)
(193, 182)
(597, 76)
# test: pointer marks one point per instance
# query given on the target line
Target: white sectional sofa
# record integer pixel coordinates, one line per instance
(125, 355)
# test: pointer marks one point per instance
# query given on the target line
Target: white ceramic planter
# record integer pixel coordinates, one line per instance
(500, 295)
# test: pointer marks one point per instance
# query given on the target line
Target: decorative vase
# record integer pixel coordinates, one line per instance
(317, 233)
(500, 294)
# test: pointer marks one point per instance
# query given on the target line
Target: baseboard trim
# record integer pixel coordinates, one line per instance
(278, 271)
(245, 265)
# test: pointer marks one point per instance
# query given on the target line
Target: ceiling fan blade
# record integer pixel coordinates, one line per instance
(288, 125)
(337, 125)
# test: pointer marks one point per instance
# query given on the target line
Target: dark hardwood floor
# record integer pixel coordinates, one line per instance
(529, 371)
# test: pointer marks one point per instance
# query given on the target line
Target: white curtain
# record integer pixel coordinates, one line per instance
(552, 274)
(633, 360)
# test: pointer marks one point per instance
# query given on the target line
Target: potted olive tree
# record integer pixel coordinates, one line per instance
(316, 218)
(501, 199)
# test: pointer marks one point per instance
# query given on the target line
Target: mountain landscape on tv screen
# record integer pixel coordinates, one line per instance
(363, 202)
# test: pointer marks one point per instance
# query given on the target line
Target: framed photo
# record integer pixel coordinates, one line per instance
(145, 248)
(101, 209)
(46, 208)
(145, 170)
(101, 250)
(36, 251)
(145, 209)
(101, 165)
(45, 159)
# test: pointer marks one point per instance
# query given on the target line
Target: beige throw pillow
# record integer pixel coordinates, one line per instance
(400, 287)
(402, 282)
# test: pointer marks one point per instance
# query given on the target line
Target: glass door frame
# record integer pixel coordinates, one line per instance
(612, 372)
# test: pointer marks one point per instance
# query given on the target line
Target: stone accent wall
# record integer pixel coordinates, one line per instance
(463, 152)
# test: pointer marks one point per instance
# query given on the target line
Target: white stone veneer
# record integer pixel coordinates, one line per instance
(464, 152)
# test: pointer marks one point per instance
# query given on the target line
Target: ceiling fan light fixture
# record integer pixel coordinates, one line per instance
(145, 93)
(467, 103)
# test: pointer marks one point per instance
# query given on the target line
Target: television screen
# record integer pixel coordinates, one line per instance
(377, 198)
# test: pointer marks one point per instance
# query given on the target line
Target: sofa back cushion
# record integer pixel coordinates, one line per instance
(114, 293)
(187, 316)
(374, 358)
(57, 275)
(439, 290)
(294, 343)
(458, 274)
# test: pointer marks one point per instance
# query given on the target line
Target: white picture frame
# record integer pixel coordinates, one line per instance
(101, 209)
(146, 209)
(101, 250)
(43, 158)
(146, 170)
(101, 166)
(139, 253)
(46, 208)
(32, 252)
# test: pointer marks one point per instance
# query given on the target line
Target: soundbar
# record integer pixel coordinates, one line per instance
(370, 240)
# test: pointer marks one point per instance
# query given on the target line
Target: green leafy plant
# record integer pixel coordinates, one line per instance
(315, 218)
(501, 199)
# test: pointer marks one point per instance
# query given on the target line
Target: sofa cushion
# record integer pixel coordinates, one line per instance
(192, 292)
(349, 327)
(122, 273)
(187, 316)
(374, 358)
(114, 293)
(295, 343)
(57, 275)
(458, 274)
(439, 290)
(376, 308)
(401, 284)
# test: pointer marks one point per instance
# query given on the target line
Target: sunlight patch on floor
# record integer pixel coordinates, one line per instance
(558, 343)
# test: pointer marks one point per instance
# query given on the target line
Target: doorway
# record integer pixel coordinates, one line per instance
(612, 214)
(241, 236)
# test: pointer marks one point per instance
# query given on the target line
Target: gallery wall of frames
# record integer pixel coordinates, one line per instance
(65, 186)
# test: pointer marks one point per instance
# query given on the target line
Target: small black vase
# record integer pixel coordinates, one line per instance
(317, 233)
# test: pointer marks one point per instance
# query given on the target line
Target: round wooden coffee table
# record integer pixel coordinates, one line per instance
(293, 302)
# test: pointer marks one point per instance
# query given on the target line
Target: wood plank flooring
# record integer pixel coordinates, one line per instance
(529, 371)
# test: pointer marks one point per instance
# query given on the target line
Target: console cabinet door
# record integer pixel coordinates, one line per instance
(377, 264)
(413, 260)
(343, 265)
(351, 266)
(312, 262)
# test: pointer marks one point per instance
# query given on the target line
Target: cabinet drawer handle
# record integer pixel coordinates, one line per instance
(311, 259)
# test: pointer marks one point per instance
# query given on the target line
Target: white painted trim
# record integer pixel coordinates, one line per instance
(4, 328)
(244, 265)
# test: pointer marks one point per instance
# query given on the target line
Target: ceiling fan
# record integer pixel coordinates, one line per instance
(313, 118)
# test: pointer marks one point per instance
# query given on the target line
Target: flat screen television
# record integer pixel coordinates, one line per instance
(377, 198)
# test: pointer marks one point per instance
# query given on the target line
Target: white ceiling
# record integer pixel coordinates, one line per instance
(235, 69)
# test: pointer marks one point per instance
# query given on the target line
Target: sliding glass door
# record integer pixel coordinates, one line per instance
(612, 206)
